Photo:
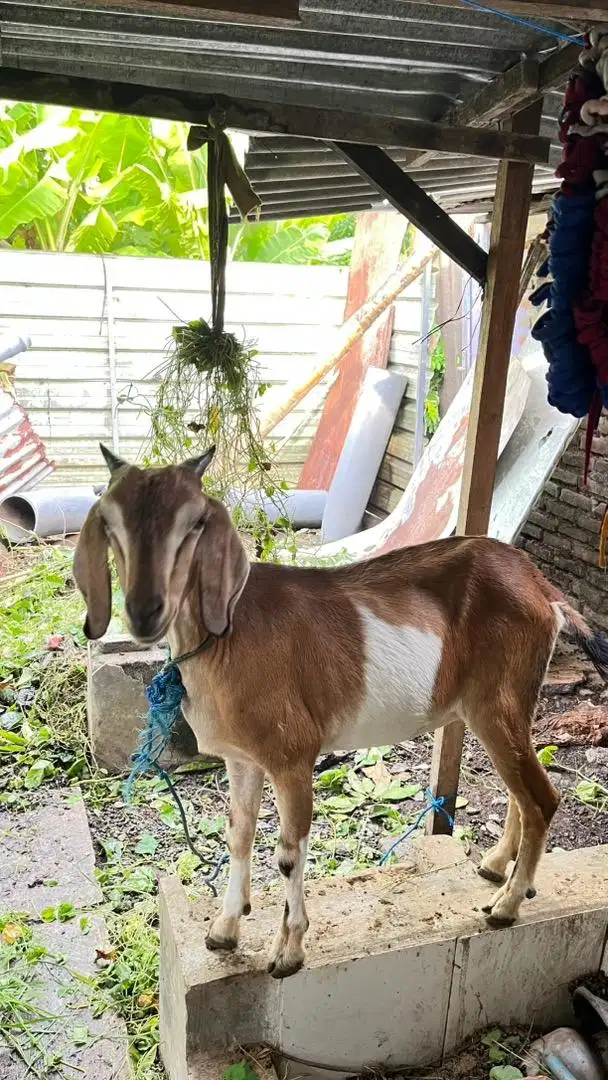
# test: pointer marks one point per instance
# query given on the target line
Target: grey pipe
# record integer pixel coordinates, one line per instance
(43, 512)
(11, 344)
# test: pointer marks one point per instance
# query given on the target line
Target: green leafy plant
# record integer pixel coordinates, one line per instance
(592, 793)
(93, 182)
(241, 1071)
(546, 756)
(75, 180)
(432, 414)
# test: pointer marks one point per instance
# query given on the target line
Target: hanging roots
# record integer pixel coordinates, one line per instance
(208, 393)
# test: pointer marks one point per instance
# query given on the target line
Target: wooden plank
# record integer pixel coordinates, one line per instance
(409, 198)
(359, 127)
(508, 93)
(256, 12)
(579, 11)
(376, 249)
(508, 236)
(517, 86)
(258, 118)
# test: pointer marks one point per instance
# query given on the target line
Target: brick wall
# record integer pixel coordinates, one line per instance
(563, 530)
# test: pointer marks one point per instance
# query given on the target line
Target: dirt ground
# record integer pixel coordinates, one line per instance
(363, 801)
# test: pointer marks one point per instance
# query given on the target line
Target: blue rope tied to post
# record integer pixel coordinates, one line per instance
(165, 695)
(434, 802)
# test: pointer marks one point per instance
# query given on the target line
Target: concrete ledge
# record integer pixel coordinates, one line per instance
(119, 670)
(400, 966)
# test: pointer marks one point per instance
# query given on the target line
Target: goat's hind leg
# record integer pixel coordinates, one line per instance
(246, 784)
(508, 743)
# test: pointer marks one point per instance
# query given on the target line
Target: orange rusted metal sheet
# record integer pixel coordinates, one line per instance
(376, 250)
(23, 459)
(429, 506)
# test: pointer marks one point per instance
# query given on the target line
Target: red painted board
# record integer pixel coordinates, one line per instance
(376, 249)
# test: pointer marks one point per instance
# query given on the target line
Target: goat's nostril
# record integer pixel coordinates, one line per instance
(148, 609)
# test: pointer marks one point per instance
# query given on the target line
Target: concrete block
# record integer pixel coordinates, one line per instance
(119, 670)
(400, 966)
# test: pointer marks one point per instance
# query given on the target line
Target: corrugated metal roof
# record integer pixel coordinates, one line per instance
(387, 57)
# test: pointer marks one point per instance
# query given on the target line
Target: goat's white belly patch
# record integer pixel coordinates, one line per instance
(401, 665)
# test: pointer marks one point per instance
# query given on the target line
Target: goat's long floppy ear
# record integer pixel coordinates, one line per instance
(224, 569)
(92, 574)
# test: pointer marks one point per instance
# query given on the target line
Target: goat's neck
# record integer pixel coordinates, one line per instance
(187, 631)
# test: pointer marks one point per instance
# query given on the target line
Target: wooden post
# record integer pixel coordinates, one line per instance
(509, 221)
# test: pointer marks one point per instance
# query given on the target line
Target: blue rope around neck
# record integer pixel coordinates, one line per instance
(436, 803)
(165, 695)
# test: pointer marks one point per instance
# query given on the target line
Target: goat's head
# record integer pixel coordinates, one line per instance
(167, 537)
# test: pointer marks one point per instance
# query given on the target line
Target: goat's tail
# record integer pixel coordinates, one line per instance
(594, 643)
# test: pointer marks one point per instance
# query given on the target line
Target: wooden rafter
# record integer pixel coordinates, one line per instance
(580, 12)
(259, 118)
(409, 199)
(258, 12)
(338, 126)
(508, 93)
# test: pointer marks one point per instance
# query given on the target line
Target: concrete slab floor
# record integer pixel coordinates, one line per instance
(400, 966)
(48, 860)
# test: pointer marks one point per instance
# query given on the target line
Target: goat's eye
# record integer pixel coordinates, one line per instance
(199, 524)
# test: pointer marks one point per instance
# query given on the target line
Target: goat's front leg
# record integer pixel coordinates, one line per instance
(246, 783)
(294, 798)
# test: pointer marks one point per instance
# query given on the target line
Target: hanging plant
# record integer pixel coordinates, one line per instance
(209, 388)
(208, 393)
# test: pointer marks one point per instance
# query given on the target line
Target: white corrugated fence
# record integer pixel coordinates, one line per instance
(100, 324)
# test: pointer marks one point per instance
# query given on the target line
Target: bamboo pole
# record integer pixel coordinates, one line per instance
(349, 332)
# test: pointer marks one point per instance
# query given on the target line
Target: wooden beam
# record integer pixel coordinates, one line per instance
(504, 95)
(256, 12)
(337, 126)
(507, 241)
(255, 117)
(580, 12)
(508, 93)
(409, 199)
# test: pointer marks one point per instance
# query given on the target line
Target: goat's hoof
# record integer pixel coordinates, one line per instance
(490, 875)
(283, 970)
(499, 922)
(530, 893)
(247, 909)
(216, 944)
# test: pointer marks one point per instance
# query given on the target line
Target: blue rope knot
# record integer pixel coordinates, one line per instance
(165, 695)
(434, 802)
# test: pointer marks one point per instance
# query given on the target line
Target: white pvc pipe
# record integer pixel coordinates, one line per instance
(43, 512)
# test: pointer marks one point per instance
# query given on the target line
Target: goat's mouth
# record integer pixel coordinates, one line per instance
(150, 635)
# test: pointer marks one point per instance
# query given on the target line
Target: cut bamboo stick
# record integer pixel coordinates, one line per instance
(349, 332)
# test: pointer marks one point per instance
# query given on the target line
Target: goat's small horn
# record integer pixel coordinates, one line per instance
(112, 461)
(199, 465)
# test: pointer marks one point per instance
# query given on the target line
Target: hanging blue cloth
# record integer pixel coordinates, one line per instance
(571, 375)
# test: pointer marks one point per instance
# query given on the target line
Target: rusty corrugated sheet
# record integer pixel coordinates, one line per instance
(378, 241)
(23, 459)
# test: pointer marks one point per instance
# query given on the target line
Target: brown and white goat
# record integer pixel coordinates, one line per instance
(305, 660)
